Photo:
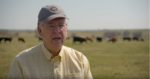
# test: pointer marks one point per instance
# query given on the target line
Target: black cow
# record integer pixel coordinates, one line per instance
(79, 39)
(137, 36)
(99, 39)
(127, 38)
(137, 39)
(1, 39)
(21, 39)
(5, 39)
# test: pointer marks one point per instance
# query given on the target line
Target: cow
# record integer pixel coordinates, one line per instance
(6, 39)
(89, 39)
(79, 39)
(1, 39)
(113, 40)
(21, 39)
(99, 39)
(127, 38)
(137, 39)
(137, 36)
(111, 36)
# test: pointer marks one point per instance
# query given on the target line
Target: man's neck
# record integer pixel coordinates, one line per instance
(53, 50)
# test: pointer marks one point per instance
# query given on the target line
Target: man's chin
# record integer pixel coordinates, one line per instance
(58, 44)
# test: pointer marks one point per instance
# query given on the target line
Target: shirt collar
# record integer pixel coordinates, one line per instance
(48, 55)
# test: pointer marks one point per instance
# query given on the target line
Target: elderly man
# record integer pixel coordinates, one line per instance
(50, 59)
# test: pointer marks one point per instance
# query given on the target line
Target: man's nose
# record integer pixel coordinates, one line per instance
(57, 29)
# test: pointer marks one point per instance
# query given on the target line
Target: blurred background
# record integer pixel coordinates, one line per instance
(113, 34)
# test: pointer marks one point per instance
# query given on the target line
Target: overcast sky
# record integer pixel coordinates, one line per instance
(83, 14)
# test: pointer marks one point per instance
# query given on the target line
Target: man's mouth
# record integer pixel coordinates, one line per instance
(57, 38)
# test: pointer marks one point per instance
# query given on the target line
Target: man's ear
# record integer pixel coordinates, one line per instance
(39, 32)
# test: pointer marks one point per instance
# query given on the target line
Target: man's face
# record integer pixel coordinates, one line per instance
(54, 32)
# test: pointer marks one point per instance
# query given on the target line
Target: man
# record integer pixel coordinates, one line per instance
(50, 59)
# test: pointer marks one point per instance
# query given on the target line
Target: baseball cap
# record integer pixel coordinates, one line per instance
(50, 12)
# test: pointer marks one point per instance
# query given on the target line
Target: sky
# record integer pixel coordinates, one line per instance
(82, 14)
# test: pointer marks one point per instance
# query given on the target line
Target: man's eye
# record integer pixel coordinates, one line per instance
(61, 25)
(51, 26)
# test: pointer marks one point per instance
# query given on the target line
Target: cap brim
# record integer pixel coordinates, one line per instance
(56, 16)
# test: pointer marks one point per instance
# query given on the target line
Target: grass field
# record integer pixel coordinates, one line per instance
(120, 60)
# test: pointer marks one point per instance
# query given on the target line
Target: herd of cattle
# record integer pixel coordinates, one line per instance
(108, 36)
(9, 39)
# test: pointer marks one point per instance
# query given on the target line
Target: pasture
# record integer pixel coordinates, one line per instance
(119, 60)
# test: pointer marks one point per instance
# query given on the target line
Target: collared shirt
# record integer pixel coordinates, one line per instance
(38, 63)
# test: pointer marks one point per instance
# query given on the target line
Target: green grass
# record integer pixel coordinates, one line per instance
(120, 60)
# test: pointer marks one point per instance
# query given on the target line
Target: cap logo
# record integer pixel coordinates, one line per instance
(53, 9)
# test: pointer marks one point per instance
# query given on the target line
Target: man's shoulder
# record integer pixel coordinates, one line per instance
(29, 52)
(69, 49)
(73, 52)
(75, 55)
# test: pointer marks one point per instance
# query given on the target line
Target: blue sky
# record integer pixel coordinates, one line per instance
(83, 14)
